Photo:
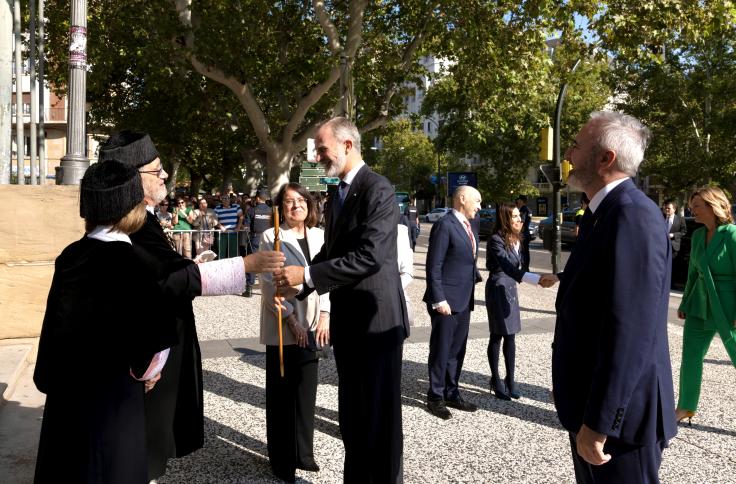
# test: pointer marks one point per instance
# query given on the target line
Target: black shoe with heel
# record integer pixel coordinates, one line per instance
(498, 388)
(512, 390)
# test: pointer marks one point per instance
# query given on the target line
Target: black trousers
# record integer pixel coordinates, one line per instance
(632, 464)
(447, 343)
(290, 403)
(369, 403)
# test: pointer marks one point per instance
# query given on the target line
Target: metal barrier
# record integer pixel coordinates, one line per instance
(226, 244)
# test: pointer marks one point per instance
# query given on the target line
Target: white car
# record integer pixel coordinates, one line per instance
(436, 214)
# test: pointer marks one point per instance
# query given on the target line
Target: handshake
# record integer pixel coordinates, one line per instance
(548, 280)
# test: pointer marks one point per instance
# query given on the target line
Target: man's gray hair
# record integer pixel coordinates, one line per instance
(625, 135)
(343, 129)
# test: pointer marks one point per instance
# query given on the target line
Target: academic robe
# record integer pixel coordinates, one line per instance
(99, 324)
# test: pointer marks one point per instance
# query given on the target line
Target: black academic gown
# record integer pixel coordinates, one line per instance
(175, 411)
(98, 326)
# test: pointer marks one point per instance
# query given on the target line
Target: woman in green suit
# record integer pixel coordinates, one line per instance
(709, 301)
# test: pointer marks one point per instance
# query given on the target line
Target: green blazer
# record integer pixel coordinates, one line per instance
(709, 300)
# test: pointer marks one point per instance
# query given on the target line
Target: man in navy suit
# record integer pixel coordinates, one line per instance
(451, 277)
(368, 319)
(611, 373)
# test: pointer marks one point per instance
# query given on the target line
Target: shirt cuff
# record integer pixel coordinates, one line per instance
(308, 277)
(436, 305)
(226, 276)
(531, 278)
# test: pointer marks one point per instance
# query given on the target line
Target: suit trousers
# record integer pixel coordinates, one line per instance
(290, 404)
(696, 339)
(369, 404)
(447, 343)
(632, 464)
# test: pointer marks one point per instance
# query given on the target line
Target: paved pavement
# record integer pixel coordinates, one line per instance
(519, 441)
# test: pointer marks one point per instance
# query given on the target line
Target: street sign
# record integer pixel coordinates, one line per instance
(458, 179)
(549, 172)
(329, 180)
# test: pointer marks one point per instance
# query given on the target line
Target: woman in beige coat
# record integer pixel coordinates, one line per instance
(290, 400)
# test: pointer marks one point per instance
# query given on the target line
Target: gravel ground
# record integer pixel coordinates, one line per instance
(519, 441)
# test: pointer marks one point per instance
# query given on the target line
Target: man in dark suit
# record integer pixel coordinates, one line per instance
(451, 277)
(611, 373)
(175, 408)
(675, 224)
(357, 266)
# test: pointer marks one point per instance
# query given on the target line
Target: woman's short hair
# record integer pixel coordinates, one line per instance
(312, 215)
(131, 222)
(504, 224)
(718, 201)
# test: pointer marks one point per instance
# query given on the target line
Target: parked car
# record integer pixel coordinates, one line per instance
(488, 222)
(567, 229)
(436, 214)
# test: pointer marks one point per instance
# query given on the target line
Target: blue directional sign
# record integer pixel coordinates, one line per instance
(460, 178)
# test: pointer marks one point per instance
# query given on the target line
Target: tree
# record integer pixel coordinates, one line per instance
(408, 158)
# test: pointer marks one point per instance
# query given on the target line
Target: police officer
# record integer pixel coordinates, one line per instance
(526, 219)
(412, 214)
(261, 219)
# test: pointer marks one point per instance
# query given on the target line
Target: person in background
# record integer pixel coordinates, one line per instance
(182, 219)
(708, 303)
(205, 221)
(230, 220)
(291, 400)
(412, 215)
(526, 219)
(104, 326)
(581, 211)
(260, 218)
(676, 226)
(164, 215)
(504, 261)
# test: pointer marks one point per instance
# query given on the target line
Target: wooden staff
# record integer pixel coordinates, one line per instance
(277, 247)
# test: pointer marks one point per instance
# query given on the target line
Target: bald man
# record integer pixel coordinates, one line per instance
(451, 277)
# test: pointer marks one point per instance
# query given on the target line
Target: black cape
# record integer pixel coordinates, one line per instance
(175, 409)
(99, 324)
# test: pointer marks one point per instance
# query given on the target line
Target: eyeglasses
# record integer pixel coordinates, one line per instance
(164, 204)
(153, 172)
(290, 202)
(182, 203)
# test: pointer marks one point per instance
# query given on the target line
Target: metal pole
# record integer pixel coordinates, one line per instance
(42, 95)
(557, 183)
(19, 141)
(34, 92)
(75, 162)
(6, 89)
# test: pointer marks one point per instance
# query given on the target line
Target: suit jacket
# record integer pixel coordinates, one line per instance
(306, 310)
(610, 360)
(358, 263)
(679, 230)
(502, 299)
(451, 268)
(708, 300)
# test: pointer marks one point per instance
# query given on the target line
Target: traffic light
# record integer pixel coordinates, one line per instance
(565, 167)
(545, 144)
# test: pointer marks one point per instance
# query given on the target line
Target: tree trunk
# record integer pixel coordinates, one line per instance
(171, 181)
(278, 167)
(195, 182)
(255, 161)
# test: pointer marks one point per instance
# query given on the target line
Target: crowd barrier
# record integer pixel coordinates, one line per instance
(226, 244)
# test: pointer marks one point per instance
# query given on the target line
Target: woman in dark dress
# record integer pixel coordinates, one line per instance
(102, 344)
(504, 261)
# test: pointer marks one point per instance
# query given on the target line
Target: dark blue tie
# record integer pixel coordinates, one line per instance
(342, 192)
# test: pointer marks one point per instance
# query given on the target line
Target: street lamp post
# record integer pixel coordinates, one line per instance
(75, 162)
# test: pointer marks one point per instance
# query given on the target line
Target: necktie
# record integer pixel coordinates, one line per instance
(670, 221)
(342, 191)
(470, 234)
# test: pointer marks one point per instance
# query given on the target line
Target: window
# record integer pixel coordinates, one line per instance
(26, 109)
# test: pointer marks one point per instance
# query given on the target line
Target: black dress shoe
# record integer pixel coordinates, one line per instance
(513, 391)
(248, 291)
(461, 404)
(308, 465)
(284, 476)
(498, 388)
(438, 409)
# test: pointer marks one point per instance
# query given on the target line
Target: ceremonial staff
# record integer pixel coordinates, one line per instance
(277, 248)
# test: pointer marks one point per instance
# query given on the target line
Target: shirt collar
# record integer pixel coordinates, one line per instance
(351, 174)
(105, 233)
(597, 199)
(151, 209)
(460, 216)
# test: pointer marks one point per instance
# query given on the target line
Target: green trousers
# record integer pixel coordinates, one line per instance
(695, 343)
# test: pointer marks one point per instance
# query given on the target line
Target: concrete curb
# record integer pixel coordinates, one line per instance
(15, 356)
